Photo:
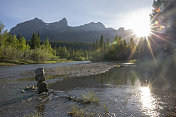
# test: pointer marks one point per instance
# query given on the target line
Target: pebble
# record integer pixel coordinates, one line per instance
(22, 91)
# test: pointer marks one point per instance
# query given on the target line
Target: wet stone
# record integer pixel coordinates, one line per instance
(40, 78)
(39, 71)
(42, 87)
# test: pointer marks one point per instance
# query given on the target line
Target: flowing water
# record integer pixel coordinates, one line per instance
(126, 92)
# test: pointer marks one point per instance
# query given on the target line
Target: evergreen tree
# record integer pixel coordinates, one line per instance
(22, 44)
(131, 43)
(18, 36)
(35, 41)
(47, 44)
(124, 43)
(107, 42)
(101, 42)
(96, 44)
(1, 27)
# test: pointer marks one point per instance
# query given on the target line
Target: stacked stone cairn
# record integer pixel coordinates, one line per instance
(41, 85)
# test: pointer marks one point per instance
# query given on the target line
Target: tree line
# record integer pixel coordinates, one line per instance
(17, 48)
(118, 50)
(14, 47)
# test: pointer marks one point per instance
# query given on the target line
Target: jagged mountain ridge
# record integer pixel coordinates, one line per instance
(60, 31)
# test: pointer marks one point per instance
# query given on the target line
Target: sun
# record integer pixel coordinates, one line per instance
(139, 22)
(142, 30)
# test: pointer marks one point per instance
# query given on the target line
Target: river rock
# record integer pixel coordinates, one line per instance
(40, 78)
(39, 71)
(41, 85)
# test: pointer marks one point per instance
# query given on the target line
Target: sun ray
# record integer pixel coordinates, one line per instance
(151, 51)
(134, 49)
(163, 39)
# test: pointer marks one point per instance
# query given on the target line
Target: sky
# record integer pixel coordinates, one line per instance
(112, 13)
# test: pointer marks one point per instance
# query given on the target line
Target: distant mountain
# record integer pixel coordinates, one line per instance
(60, 31)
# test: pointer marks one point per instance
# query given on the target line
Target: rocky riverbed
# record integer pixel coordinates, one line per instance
(77, 70)
(12, 88)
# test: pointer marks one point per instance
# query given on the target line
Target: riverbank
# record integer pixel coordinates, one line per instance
(76, 70)
(25, 62)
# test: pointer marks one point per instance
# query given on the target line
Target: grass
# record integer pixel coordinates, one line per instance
(89, 98)
(106, 108)
(47, 77)
(76, 112)
(79, 113)
(118, 66)
(132, 61)
(17, 62)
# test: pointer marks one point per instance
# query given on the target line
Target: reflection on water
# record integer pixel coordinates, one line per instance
(122, 85)
(148, 101)
(125, 76)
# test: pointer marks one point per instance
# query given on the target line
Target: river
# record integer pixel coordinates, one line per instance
(126, 92)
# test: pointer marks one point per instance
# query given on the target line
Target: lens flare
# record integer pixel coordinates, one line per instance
(139, 22)
(142, 30)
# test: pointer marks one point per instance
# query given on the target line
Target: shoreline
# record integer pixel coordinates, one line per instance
(27, 62)
(77, 70)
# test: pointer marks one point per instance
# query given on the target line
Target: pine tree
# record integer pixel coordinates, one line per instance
(47, 44)
(131, 43)
(22, 44)
(35, 41)
(1, 27)
(101, 42)
(107, 42)
(18, 36)
(96, 44)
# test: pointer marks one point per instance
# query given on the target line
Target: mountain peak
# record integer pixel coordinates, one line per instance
(121, 29)
(92, 26)
(37, 19)
(63, 21)
(62, 24)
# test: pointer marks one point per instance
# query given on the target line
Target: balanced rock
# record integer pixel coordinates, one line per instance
(39, 78)
(41, 85)
(39, 71)
(39, 74)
